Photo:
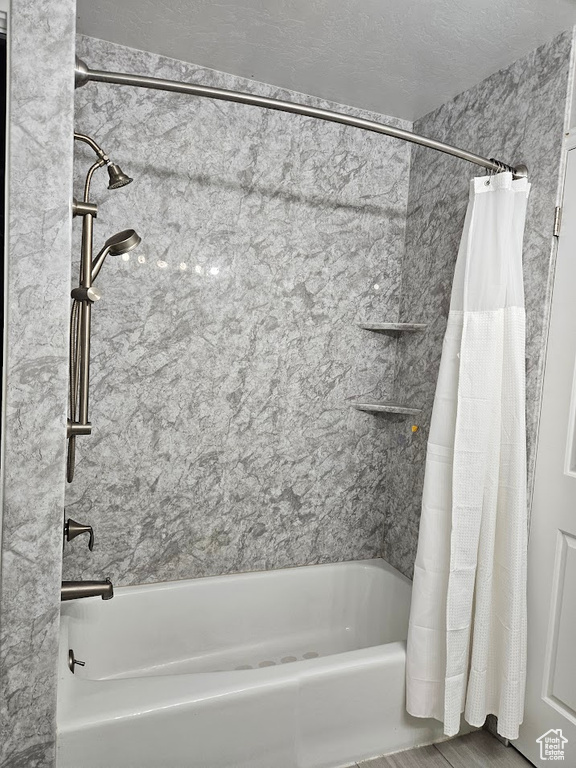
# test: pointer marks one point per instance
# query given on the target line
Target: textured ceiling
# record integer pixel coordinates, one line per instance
(397, 57)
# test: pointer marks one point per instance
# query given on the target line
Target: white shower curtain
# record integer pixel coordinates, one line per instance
(467, 634)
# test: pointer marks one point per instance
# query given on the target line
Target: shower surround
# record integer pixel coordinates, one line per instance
(227, 345)
(135, 483)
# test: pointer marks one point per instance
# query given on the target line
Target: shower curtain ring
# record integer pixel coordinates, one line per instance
(501, 167)
(498, 164)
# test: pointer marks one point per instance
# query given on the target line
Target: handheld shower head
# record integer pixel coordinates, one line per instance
(117, 177)
(120, 243)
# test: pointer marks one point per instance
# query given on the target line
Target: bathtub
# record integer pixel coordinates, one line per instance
(294, 668)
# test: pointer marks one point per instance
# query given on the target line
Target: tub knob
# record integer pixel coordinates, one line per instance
(73, 661)
(73, 529)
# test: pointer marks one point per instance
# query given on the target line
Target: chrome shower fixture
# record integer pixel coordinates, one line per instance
(117, 177)
(85, 295)
(120, 243)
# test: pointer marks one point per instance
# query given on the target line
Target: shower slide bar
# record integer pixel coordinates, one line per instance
(84, 75)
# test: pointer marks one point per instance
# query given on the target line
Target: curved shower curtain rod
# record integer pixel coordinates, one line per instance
(84, 75)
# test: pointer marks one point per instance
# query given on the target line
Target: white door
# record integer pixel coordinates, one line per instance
(551, 689)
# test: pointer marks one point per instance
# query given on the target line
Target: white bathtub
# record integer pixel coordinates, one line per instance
(297, 668)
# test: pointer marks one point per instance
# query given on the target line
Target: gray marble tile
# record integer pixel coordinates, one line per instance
(516, 115)
(225, 349)
(226, 346)
(38, 276)
(220, 396)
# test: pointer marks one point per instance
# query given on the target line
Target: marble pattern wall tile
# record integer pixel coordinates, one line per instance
(516, 115)
(226, 346)
(34, 427)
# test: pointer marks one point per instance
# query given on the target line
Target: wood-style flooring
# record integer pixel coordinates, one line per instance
(475, 750)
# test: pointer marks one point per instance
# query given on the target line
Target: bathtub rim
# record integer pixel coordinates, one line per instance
(377, 563)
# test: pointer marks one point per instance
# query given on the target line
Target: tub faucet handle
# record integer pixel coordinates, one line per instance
(73, 661)
(73, 529)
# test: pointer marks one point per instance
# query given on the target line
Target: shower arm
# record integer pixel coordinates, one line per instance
(89, 175)
(91, 143)
(103, 159)
(84, 75)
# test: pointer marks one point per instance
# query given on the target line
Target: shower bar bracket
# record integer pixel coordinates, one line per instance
(83, 208)
(75, 428)
(84, 75)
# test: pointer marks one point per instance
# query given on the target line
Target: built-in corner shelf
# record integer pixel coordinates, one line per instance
(394, 329)
(384, 406)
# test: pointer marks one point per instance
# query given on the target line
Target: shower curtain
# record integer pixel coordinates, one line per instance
(467, 634)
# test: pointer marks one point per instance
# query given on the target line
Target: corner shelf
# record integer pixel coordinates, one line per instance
(393, 329)
(384, 406)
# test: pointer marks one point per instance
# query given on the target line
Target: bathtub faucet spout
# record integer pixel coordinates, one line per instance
(74, 589)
